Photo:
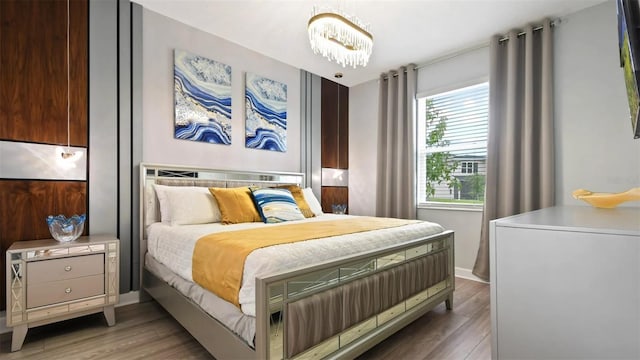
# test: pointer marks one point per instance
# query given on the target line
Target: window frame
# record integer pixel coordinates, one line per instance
(420, 115)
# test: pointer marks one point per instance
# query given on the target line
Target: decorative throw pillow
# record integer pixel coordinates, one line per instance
(236, 205)
(313, 202)
(276, 205)
(184, 205)
(298, 196)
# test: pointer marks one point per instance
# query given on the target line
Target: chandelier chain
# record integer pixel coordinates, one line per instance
(68, 78)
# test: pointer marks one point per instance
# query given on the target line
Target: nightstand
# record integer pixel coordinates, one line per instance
(50, 281)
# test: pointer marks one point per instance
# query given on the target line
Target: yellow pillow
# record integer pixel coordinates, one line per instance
(236, 205)
(298, 196)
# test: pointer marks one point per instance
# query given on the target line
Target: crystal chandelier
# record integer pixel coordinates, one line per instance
(340, 37)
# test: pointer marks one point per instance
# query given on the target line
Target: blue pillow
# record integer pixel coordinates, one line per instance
(276, 205)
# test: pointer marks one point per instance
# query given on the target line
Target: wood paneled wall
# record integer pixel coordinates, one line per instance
(334, 125)
(334, 139)
(33, 108)
(334, 195)
(33, 80)
(26, 204)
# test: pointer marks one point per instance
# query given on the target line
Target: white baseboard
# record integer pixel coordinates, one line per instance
(467, 274)
(132, 297)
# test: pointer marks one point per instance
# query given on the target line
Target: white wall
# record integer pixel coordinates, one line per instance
(161, 36)
(465, 69)
(467, 225)
(595, 147)
(363, 136)
(363, 148)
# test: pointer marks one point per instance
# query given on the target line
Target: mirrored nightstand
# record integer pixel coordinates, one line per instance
(50, 281)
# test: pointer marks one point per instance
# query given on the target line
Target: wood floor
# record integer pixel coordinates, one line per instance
(146, 331)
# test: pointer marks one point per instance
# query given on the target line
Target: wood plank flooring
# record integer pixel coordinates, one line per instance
(146, 331)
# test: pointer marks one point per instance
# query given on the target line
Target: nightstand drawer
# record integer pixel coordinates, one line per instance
(65, 290)
(64, 268)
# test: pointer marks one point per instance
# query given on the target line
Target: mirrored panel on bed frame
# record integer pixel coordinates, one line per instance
(369, 321)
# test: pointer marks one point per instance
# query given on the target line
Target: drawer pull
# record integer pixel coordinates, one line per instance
(67, 268)
(67, 290)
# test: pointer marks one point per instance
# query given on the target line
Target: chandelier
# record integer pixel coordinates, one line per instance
(340, 37)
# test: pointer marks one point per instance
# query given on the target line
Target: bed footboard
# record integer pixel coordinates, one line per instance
(343, 307)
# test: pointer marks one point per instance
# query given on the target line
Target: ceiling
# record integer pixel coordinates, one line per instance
(404, 31)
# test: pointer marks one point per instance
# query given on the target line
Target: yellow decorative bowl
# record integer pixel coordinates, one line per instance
(606, 200)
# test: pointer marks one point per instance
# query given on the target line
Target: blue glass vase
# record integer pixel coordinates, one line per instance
(63, 229)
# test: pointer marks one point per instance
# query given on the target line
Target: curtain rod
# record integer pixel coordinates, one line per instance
(474, 48)
(535, 28)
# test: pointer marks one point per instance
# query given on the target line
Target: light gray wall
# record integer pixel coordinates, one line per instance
(109, 121)
(595, 147)
(459, 71)
(160, 36)
(311, 125)
(103, 117)
(363, 148)
(466, 69)
(466, 224)
(444, 75)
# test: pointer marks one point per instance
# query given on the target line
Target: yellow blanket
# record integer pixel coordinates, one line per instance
(218, 258)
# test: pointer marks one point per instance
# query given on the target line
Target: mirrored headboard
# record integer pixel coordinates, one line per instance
(176, 175)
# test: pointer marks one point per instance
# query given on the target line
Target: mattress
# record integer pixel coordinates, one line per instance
(226, 313)
(173, 247)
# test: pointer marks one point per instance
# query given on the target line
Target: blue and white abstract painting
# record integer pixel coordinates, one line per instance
(202, 90)
(266, 111)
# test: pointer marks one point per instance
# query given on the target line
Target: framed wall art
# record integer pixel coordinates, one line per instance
(202, 89)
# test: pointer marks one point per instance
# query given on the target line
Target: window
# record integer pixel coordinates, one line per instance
(452, 145)
(469, 167)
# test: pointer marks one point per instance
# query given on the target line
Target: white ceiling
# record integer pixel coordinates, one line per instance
(404, 31)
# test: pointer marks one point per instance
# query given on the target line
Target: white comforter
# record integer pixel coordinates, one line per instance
(173, 246)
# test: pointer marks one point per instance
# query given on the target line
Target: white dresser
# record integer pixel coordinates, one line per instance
(565, 283)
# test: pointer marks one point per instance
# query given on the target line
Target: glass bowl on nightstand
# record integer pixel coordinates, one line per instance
(63, 229)
(339, 209)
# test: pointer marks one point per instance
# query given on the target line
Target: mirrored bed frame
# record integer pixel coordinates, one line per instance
(352, 303)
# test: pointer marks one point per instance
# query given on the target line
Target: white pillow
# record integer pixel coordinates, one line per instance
(313, 202)
(184, 205)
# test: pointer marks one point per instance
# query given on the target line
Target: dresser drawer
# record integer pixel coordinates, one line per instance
(64, 268)
(65, 290)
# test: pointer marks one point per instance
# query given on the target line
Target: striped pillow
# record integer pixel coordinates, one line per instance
(276, 205)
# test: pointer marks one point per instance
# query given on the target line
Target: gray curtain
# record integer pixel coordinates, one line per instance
(396, 185)
(520, 154)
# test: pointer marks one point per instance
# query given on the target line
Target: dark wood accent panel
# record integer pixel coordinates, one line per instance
(330, 120)
(334, 139)
(334, 125)
(33, 76)
(24, 206)
(334, 195)
(343, 125)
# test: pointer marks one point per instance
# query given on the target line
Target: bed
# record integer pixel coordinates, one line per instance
(323, 298)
